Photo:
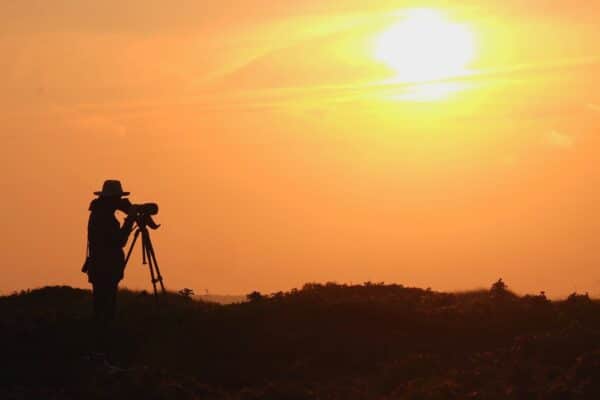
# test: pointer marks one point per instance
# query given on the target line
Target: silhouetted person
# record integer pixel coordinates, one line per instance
(106, 239)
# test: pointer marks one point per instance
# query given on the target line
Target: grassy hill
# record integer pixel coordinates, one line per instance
(370, 341)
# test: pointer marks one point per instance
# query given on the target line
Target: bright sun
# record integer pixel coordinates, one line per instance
(424, 46)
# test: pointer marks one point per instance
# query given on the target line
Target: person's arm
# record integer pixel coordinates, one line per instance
(96, 235)
(105, 231)
(125, 230)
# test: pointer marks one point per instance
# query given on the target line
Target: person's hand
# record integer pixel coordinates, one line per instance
(133, 211)
(130, 218)
(124, 205)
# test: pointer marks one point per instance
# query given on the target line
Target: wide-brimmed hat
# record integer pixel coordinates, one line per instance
(111, 187)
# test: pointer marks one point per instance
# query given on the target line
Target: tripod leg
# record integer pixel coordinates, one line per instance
(144, 262)
(135, 238)
(146, 252)
(159, 276)
(152, 257)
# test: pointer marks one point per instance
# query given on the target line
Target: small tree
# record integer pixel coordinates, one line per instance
(499, 289)
(254, 297)
(576, 298)
(186, 292)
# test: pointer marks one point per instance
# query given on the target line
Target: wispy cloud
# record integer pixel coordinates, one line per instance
(594, 107)
(559, 139)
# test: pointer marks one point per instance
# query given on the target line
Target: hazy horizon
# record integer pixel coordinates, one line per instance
(307, 141)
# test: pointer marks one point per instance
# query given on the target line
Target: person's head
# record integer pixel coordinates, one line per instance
(110, 202)
(111, 195)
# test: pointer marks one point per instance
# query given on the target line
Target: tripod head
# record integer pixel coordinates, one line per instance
(142, 213)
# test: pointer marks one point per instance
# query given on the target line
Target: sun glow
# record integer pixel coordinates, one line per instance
(425, 46)
(425, 92)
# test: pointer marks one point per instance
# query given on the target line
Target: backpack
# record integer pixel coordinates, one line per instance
(88, 259)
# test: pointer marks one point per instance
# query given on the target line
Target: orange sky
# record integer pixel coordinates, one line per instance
(282, 151)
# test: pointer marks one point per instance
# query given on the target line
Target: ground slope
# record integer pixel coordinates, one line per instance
(330, 341)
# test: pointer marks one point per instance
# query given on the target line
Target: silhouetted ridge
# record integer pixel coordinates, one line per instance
(321, 341)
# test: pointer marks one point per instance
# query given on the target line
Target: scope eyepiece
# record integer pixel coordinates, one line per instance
(142, 213)
(147, 208)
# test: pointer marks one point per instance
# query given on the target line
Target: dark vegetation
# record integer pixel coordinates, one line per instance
(370, 341)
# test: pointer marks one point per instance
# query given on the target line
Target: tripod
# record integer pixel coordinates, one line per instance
(148, 255)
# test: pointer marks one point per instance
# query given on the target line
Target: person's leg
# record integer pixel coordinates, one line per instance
(111, 301)
(102, 301)
(97, 301)
(100, 317)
